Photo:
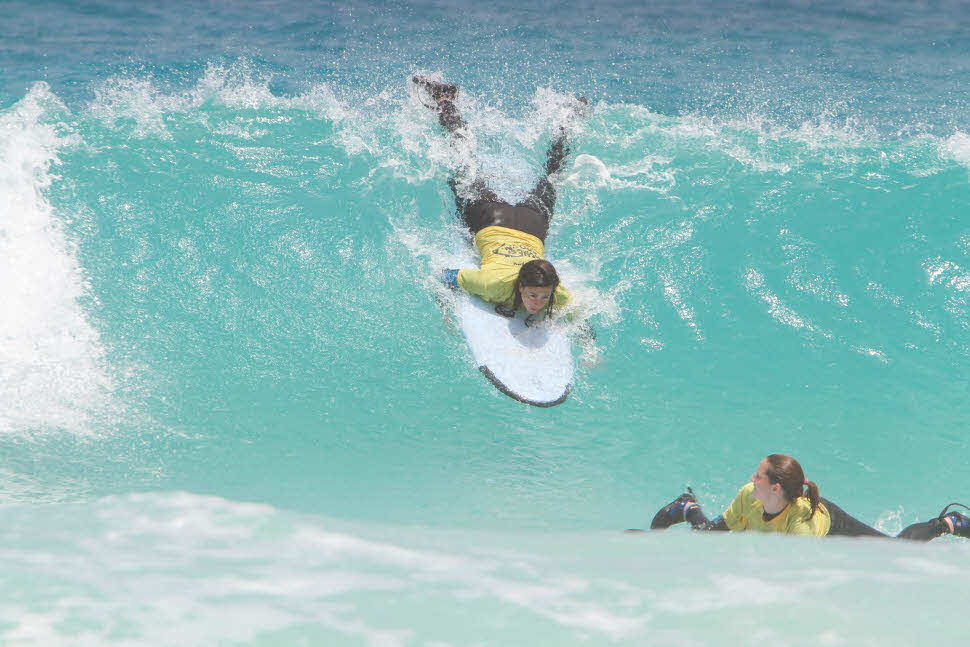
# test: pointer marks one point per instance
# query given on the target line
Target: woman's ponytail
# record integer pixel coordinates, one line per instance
(786, 471)
(812, 494)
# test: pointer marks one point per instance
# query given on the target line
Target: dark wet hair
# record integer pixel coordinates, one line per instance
(539, 273)
(785, 471)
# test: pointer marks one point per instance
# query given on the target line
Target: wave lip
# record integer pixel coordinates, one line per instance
(51, 358)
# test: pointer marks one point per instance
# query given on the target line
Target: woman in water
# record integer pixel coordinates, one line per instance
(510, 238)
(780, 499)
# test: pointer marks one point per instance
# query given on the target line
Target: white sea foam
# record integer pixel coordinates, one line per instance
(51, 361)
(185, 569)
(140, 105)
(648, 173)
(875, 353)
(178, 568)
(810, 273)
(957, 147)
(674, 295)
(237, 86)
(134, 100)
(917, 317)
(754, 282)
(948, 273)
(756, 160)
(755, 141)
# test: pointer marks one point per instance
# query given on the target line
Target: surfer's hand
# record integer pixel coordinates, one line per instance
(450, 278)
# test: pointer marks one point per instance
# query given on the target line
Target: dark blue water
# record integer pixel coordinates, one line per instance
(896, 65)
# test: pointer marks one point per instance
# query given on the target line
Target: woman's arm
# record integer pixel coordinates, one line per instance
(696, 517)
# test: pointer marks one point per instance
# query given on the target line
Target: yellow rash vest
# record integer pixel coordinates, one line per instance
(746, 513)
(503, 252)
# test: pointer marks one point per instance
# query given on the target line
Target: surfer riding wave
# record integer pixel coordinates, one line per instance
(510, 237)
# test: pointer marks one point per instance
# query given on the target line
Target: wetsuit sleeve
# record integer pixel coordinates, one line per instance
(734, 516)
(695, 516)
(717, 525)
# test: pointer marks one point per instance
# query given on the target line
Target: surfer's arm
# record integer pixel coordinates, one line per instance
(481, 284)
(698, 521)
(718, 525)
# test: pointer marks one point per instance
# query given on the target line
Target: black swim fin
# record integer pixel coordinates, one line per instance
(673, 512)
(439, 91)
(961, 524)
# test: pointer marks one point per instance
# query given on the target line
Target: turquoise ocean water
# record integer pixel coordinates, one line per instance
(231, 412)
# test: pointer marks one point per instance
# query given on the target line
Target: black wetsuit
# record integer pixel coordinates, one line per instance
(482, 207)
(843, 525)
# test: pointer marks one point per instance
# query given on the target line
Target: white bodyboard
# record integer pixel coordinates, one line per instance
(533, 364)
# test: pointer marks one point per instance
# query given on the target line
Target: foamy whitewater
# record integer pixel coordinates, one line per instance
(232, 412)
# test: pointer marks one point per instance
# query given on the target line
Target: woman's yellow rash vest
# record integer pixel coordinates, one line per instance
(503, 252)
(746, 513)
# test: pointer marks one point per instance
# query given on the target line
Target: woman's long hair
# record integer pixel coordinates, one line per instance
(535, 274)
(786, 471)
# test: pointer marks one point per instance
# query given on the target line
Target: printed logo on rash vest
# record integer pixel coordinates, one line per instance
(513, 250)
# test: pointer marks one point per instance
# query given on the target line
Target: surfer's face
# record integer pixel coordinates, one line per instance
(533, 297)
(763, 487)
